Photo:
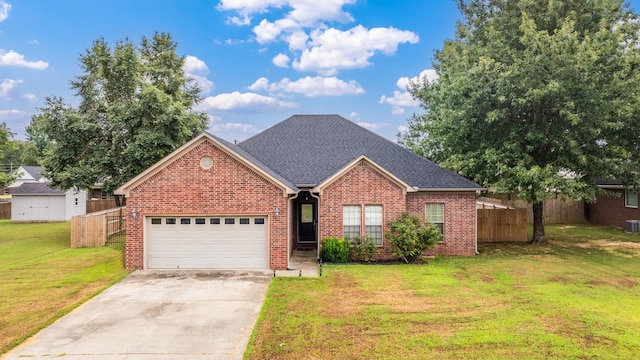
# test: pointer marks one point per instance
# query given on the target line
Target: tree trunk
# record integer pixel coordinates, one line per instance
(538, 223)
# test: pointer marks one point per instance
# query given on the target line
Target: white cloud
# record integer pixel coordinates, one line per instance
(297, 40)
(242, 101)
(316, 46)
(402, 129)
(303, 12)
(6, 114)
(235, 127)
(30, 97)
(4, 10)
(12, 58)
(234, 41)
(193, 65)
(331, 50)
(354, 115)
(310, 86)
(16, 120)
(402, 99)
(281, 60)
(372, 126)
(428, 75)
(198, 70)
(7, 86)
(34, 42)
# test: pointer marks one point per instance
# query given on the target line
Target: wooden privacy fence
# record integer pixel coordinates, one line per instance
(555, 211)
(499, 225)
(5, 210)
(100, 205)
(94, 229)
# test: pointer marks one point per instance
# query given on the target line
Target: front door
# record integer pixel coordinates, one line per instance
(307, 223)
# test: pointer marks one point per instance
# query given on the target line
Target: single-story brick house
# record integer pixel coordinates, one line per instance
(212, 204)
(615, 208)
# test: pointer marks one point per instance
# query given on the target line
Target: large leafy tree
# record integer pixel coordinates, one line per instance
(136, 106)
(535, 97)
(5, 134)
(18, 152)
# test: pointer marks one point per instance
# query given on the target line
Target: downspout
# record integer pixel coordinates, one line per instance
(476, 222)
(290, 226)
(318, 242)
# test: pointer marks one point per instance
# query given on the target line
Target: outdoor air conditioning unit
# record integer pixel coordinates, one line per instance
(632, 226)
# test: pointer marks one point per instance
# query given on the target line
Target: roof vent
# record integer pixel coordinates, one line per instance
(632, 226)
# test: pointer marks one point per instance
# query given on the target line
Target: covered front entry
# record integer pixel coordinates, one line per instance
(306, 223)
(207, 242)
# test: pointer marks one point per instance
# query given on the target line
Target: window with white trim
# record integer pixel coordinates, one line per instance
(373, 223)
(630, 199)
(351, 221)
(435, 216)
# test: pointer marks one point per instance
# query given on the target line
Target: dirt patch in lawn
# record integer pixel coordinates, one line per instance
(345, 298)
(608, 243)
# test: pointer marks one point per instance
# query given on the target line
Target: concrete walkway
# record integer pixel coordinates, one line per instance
(303, 263)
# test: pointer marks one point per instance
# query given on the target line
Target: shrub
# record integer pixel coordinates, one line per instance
(335, 250)
(409, 238)
(363, 248)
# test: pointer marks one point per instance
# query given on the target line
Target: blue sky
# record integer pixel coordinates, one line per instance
(258, 61)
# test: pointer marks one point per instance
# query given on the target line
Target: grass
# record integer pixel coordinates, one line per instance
(42, 278)
(576, 297)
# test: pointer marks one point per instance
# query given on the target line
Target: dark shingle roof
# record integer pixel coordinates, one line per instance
(255, 161)
(308, 149)
(36, 189)
(34, 171)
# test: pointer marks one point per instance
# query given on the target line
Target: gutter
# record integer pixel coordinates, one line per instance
(450, 189)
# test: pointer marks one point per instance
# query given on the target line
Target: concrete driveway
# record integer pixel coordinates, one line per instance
(158, 315)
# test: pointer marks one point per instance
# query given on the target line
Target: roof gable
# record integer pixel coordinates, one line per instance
(308, 149)
(29, 173)
(237, 153)
(403, 185)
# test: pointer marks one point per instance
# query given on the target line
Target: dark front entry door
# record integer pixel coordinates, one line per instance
(307, 222)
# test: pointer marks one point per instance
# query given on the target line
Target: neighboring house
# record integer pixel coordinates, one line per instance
(212, 204)
(26, 174)
(616, 208)
(35, 202)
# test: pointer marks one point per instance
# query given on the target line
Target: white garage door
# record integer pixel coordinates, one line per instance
(178, 242)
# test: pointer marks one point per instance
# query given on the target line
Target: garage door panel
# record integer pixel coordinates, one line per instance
(208, 245)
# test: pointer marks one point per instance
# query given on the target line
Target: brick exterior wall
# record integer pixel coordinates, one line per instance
(611, 210)
(364, 185)
(459, 220)
(185, 188)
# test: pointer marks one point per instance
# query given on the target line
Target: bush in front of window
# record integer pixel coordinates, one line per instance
(335, 250)
(363, 248)
(409, 238)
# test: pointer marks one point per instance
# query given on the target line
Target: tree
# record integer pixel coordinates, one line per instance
(538, 98)
(5, 134)
(18, 152)
(135, 107)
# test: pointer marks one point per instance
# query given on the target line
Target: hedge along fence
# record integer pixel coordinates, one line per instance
(92, 230)
(502, 225)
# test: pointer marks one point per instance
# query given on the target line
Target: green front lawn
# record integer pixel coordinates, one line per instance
(577, 297)
(42, 278)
